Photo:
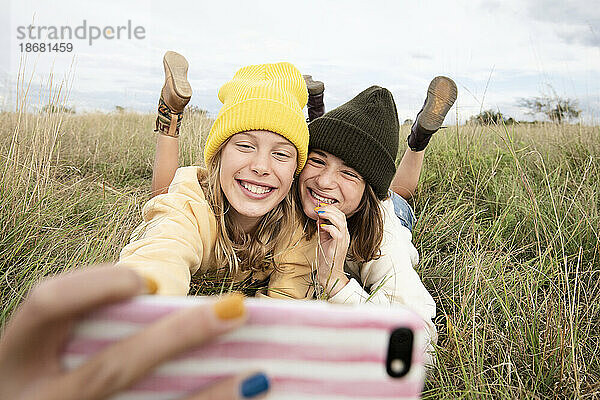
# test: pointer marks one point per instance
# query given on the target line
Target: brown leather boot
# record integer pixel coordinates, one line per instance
(175, 94)
(315, 105)
(441, 95)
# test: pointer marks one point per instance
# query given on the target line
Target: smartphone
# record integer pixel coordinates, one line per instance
(309, 349)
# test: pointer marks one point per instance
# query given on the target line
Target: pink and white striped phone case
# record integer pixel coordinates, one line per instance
(309, 349)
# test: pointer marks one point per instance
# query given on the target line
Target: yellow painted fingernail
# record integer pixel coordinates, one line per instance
(322, 204)
(151, 286)
(230, 306)
(323, 224)
(317, 208)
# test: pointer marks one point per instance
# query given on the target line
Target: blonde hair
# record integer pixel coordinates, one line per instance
(365, 227)
(236, 249)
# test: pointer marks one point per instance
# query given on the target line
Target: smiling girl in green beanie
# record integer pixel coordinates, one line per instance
(365, 243)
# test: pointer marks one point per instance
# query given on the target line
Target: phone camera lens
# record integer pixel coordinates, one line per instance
(400, 349)
(397, 366)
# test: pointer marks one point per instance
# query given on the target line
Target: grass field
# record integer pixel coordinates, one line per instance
(508, 233)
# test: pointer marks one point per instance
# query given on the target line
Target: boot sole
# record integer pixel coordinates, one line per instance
(313, 87)
(176, 65)
(441, 95)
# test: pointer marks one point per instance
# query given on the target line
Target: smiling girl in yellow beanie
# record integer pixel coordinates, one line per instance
(237, 214)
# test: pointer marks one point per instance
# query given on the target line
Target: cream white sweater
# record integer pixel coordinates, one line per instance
(391, 279)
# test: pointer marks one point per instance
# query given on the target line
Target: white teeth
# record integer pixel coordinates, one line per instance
(322, 199)
(255, 188)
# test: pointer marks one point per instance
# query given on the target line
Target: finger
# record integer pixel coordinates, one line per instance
(334, 216)
(74, 293)
(332, 230)
(123, 363)
(246, 386)
(324, 236)
(329, 208)
(58, 299)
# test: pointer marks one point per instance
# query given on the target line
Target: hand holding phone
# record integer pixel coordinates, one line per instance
(309, 349)
(31, 345)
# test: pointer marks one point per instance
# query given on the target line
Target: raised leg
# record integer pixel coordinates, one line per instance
(316, 105)
(175, 95)
(441, 95)
(407, 175)
(166, 162)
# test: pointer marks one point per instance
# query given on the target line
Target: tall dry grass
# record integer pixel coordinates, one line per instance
(72, 187)
(508, 233)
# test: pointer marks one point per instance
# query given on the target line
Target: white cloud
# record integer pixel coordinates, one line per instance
(521, 47)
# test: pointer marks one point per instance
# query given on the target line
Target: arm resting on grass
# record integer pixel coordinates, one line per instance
(176, 238)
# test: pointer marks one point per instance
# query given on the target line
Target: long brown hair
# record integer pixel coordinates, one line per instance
(238, 250)
(365, 227)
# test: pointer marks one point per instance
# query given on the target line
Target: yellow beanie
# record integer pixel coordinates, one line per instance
(266, 97)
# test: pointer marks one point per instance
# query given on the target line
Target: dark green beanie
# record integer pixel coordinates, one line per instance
(364, 134)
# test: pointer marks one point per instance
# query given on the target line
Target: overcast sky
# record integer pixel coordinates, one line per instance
(497, 52)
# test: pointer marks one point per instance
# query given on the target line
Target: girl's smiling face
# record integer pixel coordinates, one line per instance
(326, 179)
(257, 171)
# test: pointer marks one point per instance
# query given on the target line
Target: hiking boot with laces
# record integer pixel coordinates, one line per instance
(175, 94)
(441, 95)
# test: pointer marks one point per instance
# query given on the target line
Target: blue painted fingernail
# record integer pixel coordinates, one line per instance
(320, 212)
(254, 385)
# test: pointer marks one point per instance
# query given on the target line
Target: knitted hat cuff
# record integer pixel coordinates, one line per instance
(373, 161)
(260, 114)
